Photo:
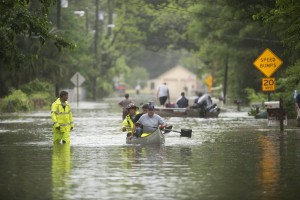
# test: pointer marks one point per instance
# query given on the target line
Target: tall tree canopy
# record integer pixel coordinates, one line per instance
(24, 27)
(155, 35)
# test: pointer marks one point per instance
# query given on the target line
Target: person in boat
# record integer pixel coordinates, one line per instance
(204, 102)
(128, 122)
(199, 95)
(150, 122)
(182, 102)
(145, 109)
(123, 104)
(163, 94)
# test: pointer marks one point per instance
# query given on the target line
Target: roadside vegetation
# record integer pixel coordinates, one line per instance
(35, 95)
(137, 40)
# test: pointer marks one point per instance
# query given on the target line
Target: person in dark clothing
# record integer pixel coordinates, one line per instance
(145, 109)
(297, 101)
(199, 95)
(182, 102)
(123, 104)
(297, 104)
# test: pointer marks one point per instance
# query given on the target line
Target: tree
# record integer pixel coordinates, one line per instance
(22, 22)
(228, 36)
(283, 19)
(25, 19)
(137, 76)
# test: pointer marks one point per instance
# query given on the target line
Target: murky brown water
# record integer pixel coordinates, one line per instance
(232, 157)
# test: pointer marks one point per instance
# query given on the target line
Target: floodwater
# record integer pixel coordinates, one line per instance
(232, 157)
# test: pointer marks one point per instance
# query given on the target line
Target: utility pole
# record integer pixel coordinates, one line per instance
(225, 79)
(87, 20)
(96, 29)
(96, 38)
(58, 16)
(110, 4)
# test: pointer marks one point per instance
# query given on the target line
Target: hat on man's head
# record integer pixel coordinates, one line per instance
(145, 106)
(151, 107)
(132, 105)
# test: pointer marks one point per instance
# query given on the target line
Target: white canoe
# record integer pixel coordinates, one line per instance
(157, 137)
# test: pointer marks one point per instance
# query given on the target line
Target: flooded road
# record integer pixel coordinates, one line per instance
(233, 157)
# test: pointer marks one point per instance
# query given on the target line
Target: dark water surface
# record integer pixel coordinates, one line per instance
(233, 157)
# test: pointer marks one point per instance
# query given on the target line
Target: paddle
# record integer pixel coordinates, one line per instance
(183, 132)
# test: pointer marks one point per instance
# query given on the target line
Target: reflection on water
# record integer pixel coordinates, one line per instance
(61, 167)
(269, 166)
(136, 154)
(233, 157)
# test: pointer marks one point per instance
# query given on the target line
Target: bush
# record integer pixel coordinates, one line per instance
(35, 94)
(16, 101)
(40, 93)
(253, 97)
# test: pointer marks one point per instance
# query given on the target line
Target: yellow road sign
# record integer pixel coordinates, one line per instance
(209, 80)
(267, 62)
(268, 84)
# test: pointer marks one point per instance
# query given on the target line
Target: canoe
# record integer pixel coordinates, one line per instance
(157, 137)
(187, 112)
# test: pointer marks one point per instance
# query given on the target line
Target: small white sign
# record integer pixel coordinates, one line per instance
(77, 79)
(64, 3)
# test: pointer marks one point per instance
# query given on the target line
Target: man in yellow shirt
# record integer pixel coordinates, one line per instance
(62, 119)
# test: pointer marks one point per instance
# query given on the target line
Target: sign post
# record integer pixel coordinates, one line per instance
(268, 63)
(77, 79)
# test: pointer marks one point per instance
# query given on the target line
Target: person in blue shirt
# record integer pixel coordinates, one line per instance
(182, 102)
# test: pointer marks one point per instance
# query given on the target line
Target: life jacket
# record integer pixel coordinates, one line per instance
(62, 117)
(128, 122)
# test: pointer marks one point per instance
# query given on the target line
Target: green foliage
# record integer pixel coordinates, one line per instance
(291, 80)
(37, 86)
(253, 96)
(24, 19)
(14, 102)
(155, 35)
(34, 95)
(137, 75)
(227, 32)
(286, 87)
(283, 19)
(39, 91)
(24, 30)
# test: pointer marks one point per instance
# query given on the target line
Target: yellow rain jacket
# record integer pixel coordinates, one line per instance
(62, 117)
(128, 123)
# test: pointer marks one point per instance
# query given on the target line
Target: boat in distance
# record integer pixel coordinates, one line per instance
(187, 112)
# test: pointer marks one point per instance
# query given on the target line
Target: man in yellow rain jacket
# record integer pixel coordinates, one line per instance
(62, 119)
(127, 123)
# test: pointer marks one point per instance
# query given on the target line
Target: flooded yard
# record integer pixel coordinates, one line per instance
(231, 157)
